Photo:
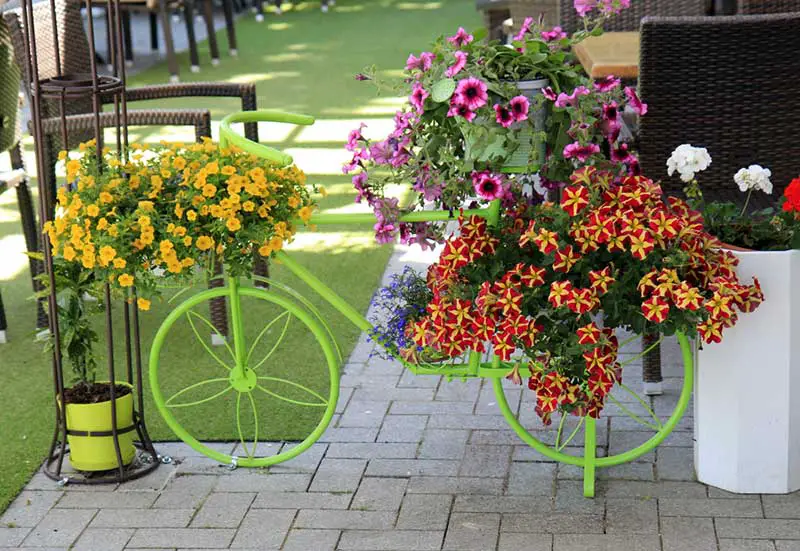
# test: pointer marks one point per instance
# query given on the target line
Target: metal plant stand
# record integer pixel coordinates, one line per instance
(61, 90)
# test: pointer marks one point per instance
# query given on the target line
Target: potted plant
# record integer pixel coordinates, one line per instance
(478, 111)
(86, 403)
(736, 450)
(157, 214)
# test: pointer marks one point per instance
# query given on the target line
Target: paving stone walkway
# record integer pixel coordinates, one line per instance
(416, 463)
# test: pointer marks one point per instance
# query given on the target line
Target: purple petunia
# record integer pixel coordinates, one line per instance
(549, 93)
(565, 100)
(639, 107)
(557, 33)
(524, 29)
(354, 137)
(417, 97)
(488, 186)
(423, 62)
(503, 116)
(461, 110)
(606, 84)
(583, 7)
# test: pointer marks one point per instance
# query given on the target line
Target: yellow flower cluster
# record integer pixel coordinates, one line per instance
(172, 207)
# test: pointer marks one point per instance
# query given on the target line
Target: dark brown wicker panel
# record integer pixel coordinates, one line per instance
(629, 19)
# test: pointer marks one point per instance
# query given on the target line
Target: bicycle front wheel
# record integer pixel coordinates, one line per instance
(274, 405)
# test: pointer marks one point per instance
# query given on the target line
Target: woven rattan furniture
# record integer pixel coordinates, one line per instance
(630, 18)
(722, 83)
(757, 7)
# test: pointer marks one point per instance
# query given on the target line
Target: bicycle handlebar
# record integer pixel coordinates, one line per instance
(229, 136)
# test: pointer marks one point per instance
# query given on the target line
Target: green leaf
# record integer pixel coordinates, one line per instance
(480, 33)
(443, 90)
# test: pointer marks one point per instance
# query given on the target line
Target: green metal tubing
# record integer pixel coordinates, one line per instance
(589, 456)
(239, 346)
(324, 291)
(416, 216)
(230, 137)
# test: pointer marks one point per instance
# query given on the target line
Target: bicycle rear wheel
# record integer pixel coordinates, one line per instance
(276, 405)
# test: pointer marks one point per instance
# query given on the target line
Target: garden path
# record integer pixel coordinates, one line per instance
(415, 463)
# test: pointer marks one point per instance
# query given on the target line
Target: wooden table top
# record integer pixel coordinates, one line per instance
(612, 53)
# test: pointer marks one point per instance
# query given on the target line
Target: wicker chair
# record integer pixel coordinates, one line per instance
(739, 106)
(630, 19)
(80, 120)
(757, 7)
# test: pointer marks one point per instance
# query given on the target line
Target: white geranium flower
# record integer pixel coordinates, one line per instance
(754, 177)
(687, 161)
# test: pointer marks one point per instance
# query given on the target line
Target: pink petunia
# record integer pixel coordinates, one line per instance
(584, 6)
(519, 108)
(455, 68)
(417, 97)
(354, 137)
(488, 187)
(461, 38)
(359, 182)
(621, 154)
(557, 33)
(461, 110)
(385, 233)
(423, 62)
(612, 7)
(606, 84)
(549, 94)
(524, 29)
(639, 107)
(581, 152)
(472, 93)
(609, 123)
(503, 116)
(565, 100)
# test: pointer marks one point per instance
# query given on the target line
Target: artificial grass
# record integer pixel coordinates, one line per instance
(302, 61)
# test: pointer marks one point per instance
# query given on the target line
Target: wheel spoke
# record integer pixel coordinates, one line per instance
(263, 332)
(633, 416)
(202, 341)
(249, 453)
(643, 353)
(321, 403)
(644, 405)
(572, 435)
(169, 403)
(277, 343)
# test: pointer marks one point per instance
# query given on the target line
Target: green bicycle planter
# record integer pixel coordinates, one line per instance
(243, 381)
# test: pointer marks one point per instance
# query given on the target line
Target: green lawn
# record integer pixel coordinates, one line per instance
(302, 61)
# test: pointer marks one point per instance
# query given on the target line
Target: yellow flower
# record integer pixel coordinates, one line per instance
(165, 173)
(191, 215)
(180, 231)
(165, 245)
(248, 206)
(228, 170)
(178, 211)
(216, 211)
(88, 260)
(92, 210)
(204, 210)
(276, 243)
(204, 242)
(146, 238)
(143, 304)
(120, 263)
(187, 262)
(178, 163)
(102, 224)
(263, 212)
(72, 168)
(62, 155)
(305, 213)
(212, 168)
(106, 197)
(174, 267)
(62, 196)
(209, 190)
(125, 280)
(233, 224)
(112, 230)
(134, 181)
(187, 241)
(69, 253)
(293, 202)
(107, 254)
(146, 206)
(323, 191)
(265, 250)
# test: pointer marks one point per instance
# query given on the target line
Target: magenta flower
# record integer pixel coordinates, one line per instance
(384, 233)
(503, 115)
(639, 107)
(359, 156)
(354, 137)
(519, 108)
(417, 97)
(606, 84)
(581, 152)
(610, 7)
(524, 29)
(488, 187)
(472, 93)
(382, 152)
(359, 182)
(556, 33)
(461, 110)
(609, 123)
(584, 6)
(549, 94)
(455, 68)
(361, 76)
(423, 62)
(461, 38)
(386, 210)
(565, 100)
(621, 154)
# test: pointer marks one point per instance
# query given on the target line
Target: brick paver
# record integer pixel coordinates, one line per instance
(416, 463)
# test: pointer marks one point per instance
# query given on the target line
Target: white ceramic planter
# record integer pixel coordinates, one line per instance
(747, 395)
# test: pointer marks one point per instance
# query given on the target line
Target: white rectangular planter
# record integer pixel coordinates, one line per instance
(747, 395)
